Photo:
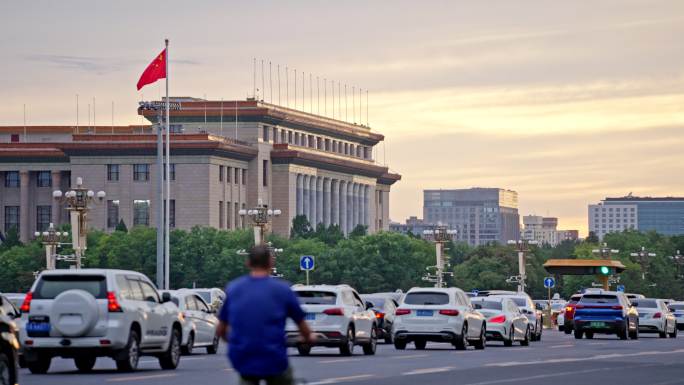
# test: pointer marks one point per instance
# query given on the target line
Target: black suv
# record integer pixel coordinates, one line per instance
(9, 344)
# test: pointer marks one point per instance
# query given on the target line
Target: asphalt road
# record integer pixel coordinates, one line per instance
(557, 359)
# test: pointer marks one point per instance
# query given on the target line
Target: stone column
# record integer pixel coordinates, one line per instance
(24, 207)
(355, 205)
(326, 202)
(350, 206)
(305, 197)
(343, 206)
(312, 201)
(57, 206)
(335, 202)
(319, 200)
(300, 193)
(366, 196)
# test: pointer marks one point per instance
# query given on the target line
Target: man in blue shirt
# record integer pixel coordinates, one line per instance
(253, 320)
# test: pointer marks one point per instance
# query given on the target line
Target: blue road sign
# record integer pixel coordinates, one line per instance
(549, 282)
(306, 262)
(621, 288)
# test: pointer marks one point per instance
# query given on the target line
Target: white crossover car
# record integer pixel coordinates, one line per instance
(505, 321)
(198, 320)
(214, 297)
(655, 317)
(438, 315)
(338, 318)
(88, 313)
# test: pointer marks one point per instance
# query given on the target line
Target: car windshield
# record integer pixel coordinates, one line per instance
(677, 306)
(378, 302)
(310, 297)
(598, 298)
(51, 286)
(206, 296)
(645, 303)
(426, 298)
(492, 305)
(520, 301)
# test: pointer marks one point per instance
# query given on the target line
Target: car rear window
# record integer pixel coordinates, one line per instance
(644, 303)
(378, 302)
(310, 297)
(677, 307)
(206, 296)
(51, 286)
(492, 305)
(599, 298)
(520, 301)
(426, 298)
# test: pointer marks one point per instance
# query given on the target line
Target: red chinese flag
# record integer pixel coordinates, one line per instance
(155, 71)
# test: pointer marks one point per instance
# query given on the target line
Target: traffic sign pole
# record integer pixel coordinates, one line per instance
(307, 277)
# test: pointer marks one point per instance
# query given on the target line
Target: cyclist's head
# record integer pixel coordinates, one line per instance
(260, 258)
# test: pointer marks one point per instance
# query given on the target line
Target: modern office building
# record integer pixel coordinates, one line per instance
(545, 231)
(664, 215)
(225, 156)
(479, 215)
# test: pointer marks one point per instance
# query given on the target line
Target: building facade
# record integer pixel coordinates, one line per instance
(545, 231)
(664, 215)
(225, 156)
(479, 215)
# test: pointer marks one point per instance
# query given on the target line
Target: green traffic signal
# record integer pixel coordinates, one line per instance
(605, 270)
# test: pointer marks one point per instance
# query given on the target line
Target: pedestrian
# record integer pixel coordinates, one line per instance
(253, 318)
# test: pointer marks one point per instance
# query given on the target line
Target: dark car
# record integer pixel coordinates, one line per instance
(9, 345)
(384, 308)
(569, 314)
(606, 312)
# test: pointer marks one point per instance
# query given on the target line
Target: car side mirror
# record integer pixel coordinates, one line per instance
(477, 306)
(369, 305)
(166, 297)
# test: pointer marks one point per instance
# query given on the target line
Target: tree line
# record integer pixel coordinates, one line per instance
(385, 261)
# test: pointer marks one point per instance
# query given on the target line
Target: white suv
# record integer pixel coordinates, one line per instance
(338, 318)
(438, 315)
(89, 313)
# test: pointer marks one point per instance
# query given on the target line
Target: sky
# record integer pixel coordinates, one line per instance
(564, 102)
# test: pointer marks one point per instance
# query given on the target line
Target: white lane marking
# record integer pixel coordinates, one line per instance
(339, 360)
(560, 346)
(139, 378)
(409, 356)
(428, 371)
(539, 376)
(578, 359)
(341, 379)
(229, 370)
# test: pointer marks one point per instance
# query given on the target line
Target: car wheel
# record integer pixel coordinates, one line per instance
(509, 341)
(420, 344)
(85, 364)
(170, 359)
(635, 334)
(39, 366)
(399, 345)
(8, 372)
(461, 342)
(388, 337)
(481, 342)
(347, 349)
(372, 345)
(663, 334)
(567, 330)
(304, 350)
(187, 349)
(589, 335)
(578, 334)
(674, 332)
(526, 340)
(131, 355)
(213, 348)
(623, 332)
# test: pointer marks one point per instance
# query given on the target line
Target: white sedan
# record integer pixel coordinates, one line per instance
(655, 317)
(199, 322)
(505, 321)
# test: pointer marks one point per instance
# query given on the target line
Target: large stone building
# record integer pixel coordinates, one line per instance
(479, 215)
(225, 156)
(664, 215)
(545, 230)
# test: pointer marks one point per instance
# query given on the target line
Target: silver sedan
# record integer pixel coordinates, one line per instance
(505, 321)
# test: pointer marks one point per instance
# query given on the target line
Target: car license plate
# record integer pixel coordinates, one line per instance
(310, 316)
(597, 324)
(38, 329)
(424, 313)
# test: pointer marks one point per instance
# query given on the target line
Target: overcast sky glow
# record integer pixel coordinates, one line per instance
(564, 102)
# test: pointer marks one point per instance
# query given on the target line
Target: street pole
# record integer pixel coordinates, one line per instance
(522, 246)
(307, 277)
(643, 256)
(160, 205)
(51, 239)
(605, 252)
(440, 235)
(261, 216)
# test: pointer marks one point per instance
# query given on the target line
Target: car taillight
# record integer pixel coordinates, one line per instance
(616, 307)
(402, 312)
(379, 315)
(112, 303)
(579, 306)
(568, 309)
(498, 319)
(26, 305)
(449, 312)
(333, 311)
(657, 315)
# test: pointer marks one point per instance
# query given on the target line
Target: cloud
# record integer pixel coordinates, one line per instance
(96, 65)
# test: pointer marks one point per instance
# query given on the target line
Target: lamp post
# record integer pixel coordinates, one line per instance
(261, 216)
(678, 259)
(51, 240)
(643, 256)
(439, 235)
(78, 202)
(522, 246)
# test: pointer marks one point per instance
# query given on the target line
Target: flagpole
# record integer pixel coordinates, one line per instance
(167, 255)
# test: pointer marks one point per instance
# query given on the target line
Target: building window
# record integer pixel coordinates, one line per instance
(265, 174)
(14, 138)
(11, 178)
(275, 135)
(112, 172)
(221, 215)
(112, 214)
(43, 217)
(220, 173)
(11, 217)
(172, 212)
(141, 213)
(176, 128)
(141, 172)
(266, 139)
(43, 179)
(296, 138)
(237, 175)
(172, 171)
(236, 215)
(289, 137)
(229, 215)
(229, 171)
(244, 176)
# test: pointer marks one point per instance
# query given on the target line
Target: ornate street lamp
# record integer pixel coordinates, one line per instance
(643, 256)
(522, 246)
(440, 235)
(51, 240)
(261, 216)
(678, 259)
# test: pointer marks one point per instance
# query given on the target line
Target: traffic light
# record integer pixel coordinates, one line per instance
(604, 270)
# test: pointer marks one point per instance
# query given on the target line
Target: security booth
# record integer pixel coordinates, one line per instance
(601, 268)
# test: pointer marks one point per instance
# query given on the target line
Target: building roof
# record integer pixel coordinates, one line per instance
(131, 129)
(630, 199)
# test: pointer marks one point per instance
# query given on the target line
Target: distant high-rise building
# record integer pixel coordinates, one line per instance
(664, 215)
(479, 215)
(544, 230)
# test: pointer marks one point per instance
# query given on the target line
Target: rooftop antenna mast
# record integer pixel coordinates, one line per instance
(25, 133)
(254, 79)
(295, 89)
(112, 117)
(270, 82)
(325, 96)
(77, 113)
(287, 87)
(263, 85)
(318, 96)
(279, 85)
(354, 104)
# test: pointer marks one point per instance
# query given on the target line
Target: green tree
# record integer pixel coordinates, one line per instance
(301, 227)
(358, 231)
(121, 226)
(11, 239)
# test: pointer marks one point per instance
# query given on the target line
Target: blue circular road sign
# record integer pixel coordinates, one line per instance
(306, 262)
(549, 282)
